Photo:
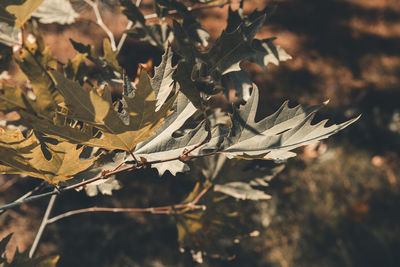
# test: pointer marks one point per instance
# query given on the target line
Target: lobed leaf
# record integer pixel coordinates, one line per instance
(55, 11)
(35, 61)
(21, 10)
(157, 35)
(110, 71)
(274, 136)
(52, 162)
(190, 24)
(98, 112)
(164, 145)
(162, 81)
(231, 48)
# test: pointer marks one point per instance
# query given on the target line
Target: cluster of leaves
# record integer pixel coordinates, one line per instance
(66, 116)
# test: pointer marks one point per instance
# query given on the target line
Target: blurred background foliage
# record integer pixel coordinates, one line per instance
(334, 205)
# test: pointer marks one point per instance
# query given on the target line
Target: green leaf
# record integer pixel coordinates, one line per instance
(271, 138)
(274, 136)
(56, 11)
(185, 66)
(241, 179)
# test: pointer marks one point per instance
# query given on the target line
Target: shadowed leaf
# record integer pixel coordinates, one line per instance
(94, 110)
(24, 156)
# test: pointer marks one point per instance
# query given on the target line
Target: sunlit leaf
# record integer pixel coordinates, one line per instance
(162, 81)
(9, 35)
(56, 11)
(162, 144)
(23, 10)
(274, 136)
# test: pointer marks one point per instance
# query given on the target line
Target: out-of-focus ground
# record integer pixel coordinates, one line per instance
(335, 205)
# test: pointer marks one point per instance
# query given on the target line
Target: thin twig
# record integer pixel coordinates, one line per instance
(200, 195)
(100, 22)
(33, 191)
(101, 176)
(153, 210)
(25, 200)
(42, 225)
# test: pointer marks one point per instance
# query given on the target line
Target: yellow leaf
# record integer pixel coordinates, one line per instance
(118, 131)
(11, 98)
(110, 56)
(27, 156)
(24, 11)
(34, 62)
